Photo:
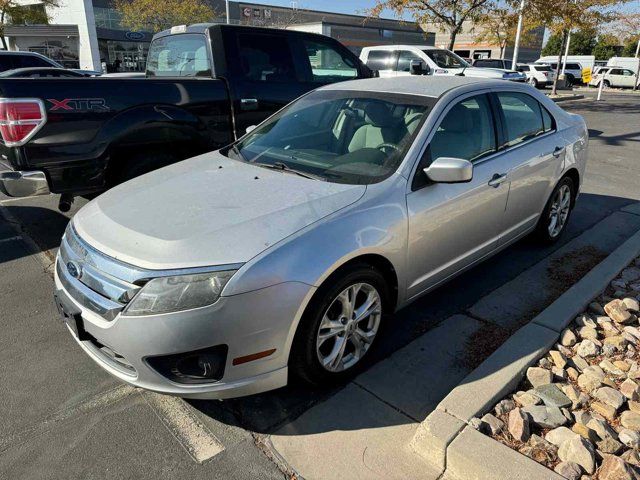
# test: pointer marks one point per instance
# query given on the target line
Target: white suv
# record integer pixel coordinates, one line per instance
(538, 75)
(400, 60)
(614, 77)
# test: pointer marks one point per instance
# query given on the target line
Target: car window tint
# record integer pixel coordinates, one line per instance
(183, 55)
(547, 120)
(6, 62)
(483, 63)
(466, 131)
(573, 66)
(523, 68)
(508, 64)
(615, 71)
(328, 64)
(523, 119)
(266, 58)
(404, 60)
(380, 59)
(28, 61)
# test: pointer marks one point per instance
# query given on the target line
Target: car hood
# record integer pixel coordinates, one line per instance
(208, 210)
(490, 73)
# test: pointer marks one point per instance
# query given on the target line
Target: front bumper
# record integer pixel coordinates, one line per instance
(16, 183)
(247, 323)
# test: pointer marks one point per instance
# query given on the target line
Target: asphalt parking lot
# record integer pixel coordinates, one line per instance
(63, 417)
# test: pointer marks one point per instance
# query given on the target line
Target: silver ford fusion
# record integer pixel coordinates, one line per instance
(285, 253)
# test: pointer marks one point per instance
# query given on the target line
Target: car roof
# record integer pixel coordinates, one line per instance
(22, 52)
(432, 86)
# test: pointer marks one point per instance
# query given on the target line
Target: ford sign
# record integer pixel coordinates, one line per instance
(134, 35)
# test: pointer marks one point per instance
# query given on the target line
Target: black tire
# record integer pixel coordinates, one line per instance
(606, 84)
(570, 79)
(533, 82)
(141, 164)
(304, 361)
(543, 231)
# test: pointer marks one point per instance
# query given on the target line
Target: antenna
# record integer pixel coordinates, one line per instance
(294, 5)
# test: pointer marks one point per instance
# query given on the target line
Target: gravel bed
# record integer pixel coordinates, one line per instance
(578, 410)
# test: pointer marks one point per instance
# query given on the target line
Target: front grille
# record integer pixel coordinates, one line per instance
(92, 278)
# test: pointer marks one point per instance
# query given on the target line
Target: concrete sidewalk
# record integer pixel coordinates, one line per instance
(364, 431)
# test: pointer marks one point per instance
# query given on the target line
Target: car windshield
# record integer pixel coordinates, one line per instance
(337, 136)
(445, 58)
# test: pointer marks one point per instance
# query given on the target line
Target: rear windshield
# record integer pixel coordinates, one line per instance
(543, 68)
(445, 59)
(183, 55)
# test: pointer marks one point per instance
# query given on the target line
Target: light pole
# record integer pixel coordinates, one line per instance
(227, 9)
(516, 45)
(566, 53)
(635, 85)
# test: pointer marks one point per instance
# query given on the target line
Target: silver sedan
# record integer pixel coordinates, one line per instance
(286, 252)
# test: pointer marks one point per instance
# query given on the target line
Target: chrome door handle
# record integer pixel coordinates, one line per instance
(497, 179)
(557, 151)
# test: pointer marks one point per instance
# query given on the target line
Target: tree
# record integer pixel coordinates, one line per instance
(13, 13)
(498, 27)
(449, 14)
(582, 43)
(563, 16)
(630, 46)
(608, 46)
(157, 15)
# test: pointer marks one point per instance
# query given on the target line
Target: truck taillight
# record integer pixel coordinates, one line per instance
(20, 119)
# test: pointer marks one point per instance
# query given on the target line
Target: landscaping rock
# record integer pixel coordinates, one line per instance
(629, 438)
(630, 274)
(587, 348)
(609, 367)
(558, 359)
(559, 374)
(585, 321)
(579, 362)
(573, 374)
(607, 411)
(617, 311)
(610, 396)
(630, 420)
(630, 389)
(632, 457)
(568, 338)
(581, 416)
(631, 304)
(491, 424)
(616, 341)
(588, 333)
(539, 376)
(558, 435)
(545, 417)
(526, 399)
(615, 468)
(596, 308)
(589, 381)
(609, 445)
(580, 451)
(476, 423)
(608, 350)
(518, 425)
(504, 407)
(568, 470)
(585, 432)
(552, 396)
(602, 428)
(622, 365)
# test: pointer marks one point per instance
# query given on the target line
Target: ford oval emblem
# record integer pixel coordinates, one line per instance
(74, 269)
(134, 35)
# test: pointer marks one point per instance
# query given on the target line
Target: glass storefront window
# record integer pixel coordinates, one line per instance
(108, 18)
(63, 50)
(122, 56)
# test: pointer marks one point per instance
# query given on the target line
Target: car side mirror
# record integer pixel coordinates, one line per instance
(250, 128)
(449, 170)
(418, 67)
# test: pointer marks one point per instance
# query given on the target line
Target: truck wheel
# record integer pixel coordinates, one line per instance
(570, 79)
(340, 327)
(533, 82)
(141, 164)
(606, 84)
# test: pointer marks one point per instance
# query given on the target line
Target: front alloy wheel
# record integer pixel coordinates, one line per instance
(340, 326)
(348, 327)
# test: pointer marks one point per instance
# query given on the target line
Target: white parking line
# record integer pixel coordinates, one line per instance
(187, 429)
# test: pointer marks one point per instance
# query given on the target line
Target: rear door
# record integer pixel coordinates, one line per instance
(534, 152)
(264, 75)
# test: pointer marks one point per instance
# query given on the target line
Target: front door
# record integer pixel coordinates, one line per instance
(454, 225)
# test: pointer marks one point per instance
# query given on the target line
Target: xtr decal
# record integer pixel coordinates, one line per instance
(79, 104)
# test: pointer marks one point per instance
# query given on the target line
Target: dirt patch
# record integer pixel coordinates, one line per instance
(482, 344)
(566, 270)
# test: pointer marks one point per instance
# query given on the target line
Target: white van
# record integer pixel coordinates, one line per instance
(400, 60)
(625, 62)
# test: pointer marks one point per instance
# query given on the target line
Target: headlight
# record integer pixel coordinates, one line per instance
(183, 292)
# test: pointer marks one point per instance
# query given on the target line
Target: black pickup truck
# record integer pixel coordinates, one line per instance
(204, 85)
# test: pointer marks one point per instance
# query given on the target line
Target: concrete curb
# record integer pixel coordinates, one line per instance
(462, 452)
(566, 98)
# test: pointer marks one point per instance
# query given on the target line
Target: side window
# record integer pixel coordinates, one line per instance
(615, 71)
(482, 63)
(327, 63)
(404, 60)
(522, 115)
(547, 120)
(467, 131)
(265, 58)
(380, 59)
(6, 62)
(523, 68)
(627, 73)
(28, 61)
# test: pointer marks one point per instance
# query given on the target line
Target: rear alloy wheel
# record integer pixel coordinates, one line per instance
(533, 82)
(340, 327)
(556, 214)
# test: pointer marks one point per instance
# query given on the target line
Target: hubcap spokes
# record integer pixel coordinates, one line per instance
(348, 327)
(559, 211)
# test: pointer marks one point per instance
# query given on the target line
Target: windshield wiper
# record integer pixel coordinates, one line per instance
(283, 167)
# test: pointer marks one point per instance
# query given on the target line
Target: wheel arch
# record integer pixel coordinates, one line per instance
(574, 175)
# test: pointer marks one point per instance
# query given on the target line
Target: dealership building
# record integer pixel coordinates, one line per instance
(88, 34)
